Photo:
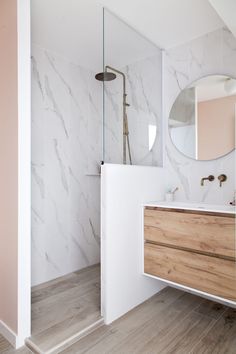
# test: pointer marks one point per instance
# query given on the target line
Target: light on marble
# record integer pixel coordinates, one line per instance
(66, 151)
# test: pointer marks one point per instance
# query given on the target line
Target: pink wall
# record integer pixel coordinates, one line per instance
(216, 127)
(8, 161)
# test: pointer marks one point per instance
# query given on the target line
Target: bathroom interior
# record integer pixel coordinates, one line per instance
(132, 178)
(75, 129)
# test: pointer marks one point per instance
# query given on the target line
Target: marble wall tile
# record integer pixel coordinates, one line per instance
(144, 94)
(67, 143)
(66, 155)
(214, 53)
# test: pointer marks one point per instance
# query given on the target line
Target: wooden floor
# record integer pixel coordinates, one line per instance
(170, 322)
(6, 348)
(64, 306)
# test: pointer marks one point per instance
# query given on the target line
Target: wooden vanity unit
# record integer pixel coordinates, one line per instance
(193, 248)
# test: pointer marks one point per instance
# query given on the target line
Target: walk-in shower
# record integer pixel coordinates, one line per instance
(107, 75)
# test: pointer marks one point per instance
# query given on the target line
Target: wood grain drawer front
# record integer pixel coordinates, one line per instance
(209, 274)
(204, 233)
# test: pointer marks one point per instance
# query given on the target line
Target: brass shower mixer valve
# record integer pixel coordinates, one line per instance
(222, 178)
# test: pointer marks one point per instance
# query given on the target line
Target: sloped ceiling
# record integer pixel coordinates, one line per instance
(167, 23)
(73, 28)
(226, 9)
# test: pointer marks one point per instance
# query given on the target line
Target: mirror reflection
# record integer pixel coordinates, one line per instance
(202, 118)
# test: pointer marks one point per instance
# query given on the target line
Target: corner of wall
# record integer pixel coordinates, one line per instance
(10, 336)
(24, 173)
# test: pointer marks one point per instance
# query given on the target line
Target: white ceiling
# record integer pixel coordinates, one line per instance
(227, 11)
(73, 28)
(167, 23)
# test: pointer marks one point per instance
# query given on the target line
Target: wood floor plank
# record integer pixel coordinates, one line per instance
(4, 345)
(6, 348)
(221, 338)
(58, 315)
(180, 336)
(58, 308)
(170, 322)
(69, 281)
(108, 336)
(157, 327)
(104, 338)
(153, 307)
(129, 333)
(64, 330)
(23, 350)
(211, 308)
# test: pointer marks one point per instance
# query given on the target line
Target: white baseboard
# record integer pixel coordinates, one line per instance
(10, 336)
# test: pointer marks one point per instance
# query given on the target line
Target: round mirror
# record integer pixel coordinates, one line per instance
(202, 118)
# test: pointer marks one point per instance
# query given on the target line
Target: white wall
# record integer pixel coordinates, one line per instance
(66, 155)
(124, 190)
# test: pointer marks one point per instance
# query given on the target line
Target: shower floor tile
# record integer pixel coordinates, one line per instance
(63, 307)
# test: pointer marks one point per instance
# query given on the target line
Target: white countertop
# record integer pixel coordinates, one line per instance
(229, 209)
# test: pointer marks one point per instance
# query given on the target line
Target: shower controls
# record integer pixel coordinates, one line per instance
(222, 178)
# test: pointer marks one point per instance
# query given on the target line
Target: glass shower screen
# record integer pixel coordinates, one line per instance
(132, 95)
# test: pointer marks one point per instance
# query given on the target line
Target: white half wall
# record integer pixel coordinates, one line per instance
(124, 189)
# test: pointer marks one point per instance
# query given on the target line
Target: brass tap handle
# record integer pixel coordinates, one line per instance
(222, 178)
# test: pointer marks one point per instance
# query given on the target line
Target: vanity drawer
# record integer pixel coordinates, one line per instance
(212, 234)
(209, 274)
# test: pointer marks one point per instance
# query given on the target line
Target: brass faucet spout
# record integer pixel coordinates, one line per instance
(202, 181)
(210, 178)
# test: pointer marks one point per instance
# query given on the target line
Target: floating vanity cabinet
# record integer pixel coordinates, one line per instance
(192, 248)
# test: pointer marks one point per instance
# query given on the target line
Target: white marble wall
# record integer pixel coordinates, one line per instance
(215, 53)
(144, 94)
(66, 153)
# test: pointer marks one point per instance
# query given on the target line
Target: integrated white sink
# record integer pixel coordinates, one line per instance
(194, 206)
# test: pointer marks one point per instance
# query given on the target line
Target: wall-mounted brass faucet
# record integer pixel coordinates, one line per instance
(222, 178)
(209, 178)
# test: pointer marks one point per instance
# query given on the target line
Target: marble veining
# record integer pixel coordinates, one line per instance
(62, 166)
(36, 76)
(144, 94)
(55, 107)
(66, 152)
(38, 179)
(67, 143)
(214, 53)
